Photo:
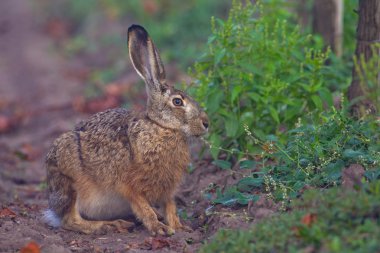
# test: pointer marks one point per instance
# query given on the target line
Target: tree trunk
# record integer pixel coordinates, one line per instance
(328, 21)
(367, 34)
(303, 13)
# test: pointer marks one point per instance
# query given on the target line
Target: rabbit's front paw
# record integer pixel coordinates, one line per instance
(177, 226)
(185, 228)
(120, 226)
(158, 228)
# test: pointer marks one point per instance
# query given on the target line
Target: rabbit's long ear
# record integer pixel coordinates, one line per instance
(145, 57)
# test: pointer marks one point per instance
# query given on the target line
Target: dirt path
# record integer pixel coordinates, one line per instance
(34, 87)
(32, 84)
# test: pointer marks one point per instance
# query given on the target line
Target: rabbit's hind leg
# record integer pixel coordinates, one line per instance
(72, 220)
(63, 201)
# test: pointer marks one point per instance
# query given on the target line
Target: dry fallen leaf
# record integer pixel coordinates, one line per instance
(159, 243)
(296, 231)
(57, 28)
(119, 88)
(352, 175)
(262, 208)
(79, 73)
(5, 123)
(31, 247)
(309, 219)
(150, 6)
(28, 152)
(155, 243)
(7, 213)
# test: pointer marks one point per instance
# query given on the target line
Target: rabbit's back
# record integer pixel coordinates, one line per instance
(119, 148)
(97, 147)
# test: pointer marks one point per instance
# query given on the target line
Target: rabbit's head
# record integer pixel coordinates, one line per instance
(167, 106)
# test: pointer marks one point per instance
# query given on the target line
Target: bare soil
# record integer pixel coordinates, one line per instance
(36, 105)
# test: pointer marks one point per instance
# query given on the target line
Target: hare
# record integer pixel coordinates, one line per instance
(120, 162)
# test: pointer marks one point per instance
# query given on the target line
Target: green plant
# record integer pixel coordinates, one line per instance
(322, 221)
(350, 21)
(369, 72)
(314, 155)
(259, 70)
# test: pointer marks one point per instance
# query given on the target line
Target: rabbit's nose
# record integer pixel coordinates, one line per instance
(204, 119)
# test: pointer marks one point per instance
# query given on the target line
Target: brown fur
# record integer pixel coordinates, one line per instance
(120, 162)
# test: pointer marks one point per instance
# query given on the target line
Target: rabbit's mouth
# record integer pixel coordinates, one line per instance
(195, 131)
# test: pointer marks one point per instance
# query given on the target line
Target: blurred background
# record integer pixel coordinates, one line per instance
(64, 58)
(95, 32)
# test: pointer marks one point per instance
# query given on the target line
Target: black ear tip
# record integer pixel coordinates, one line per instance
(135, 27)
(138, 30)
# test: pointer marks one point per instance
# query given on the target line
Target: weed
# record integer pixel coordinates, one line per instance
(314, 156)
(322, 221)
(369, 76)
(259, 71)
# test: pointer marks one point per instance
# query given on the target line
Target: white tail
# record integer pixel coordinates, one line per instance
(51, 218)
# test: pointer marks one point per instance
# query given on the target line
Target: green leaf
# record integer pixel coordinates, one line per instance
(298, 186)
(225, 165)
(211, 39)
(334, 170)
(247, 164)
(326, 96)
(372, 174)
(220, 22)
(274, 114)
(271, 137)
(352, 154)
(244, 198)
(219, 56)
(317, 102)
(232, 125)
(214, 100)
(252, 68)
(236, 92)
(292, 111)
(232, 196)
(215, 144)
(248, 183)
(254, 96)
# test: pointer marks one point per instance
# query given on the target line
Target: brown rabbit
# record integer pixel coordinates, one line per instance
(120, 162)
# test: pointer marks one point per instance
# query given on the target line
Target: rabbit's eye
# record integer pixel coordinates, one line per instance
(177, 102)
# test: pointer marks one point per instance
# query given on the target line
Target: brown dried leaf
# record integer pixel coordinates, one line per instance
(296, 231)
(117, 89)
(5, 123)
(268, 147)
(28, 152)
(80, 74)
(309, 219)
(7, 213)
(150, 6)
(155, 243)
(57, 29)
(159, 243)
(133, 245)
(31, 247)
(352, 175)
(262, 208)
